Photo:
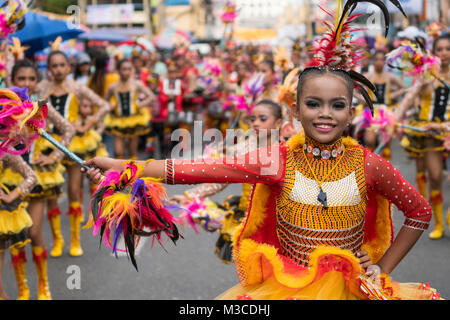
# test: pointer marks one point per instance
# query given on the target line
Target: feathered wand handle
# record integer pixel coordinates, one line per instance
(126, 205)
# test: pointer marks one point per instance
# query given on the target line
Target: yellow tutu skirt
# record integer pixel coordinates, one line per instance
(333, 274)
(87, 146)
(132, 126)
(14, 224)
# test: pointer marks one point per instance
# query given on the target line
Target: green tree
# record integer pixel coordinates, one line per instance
(56, 6)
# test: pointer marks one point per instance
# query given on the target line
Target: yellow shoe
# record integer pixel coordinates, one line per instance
(448, 218)
(437, 233)
(54, 217)
(40, 259)
(436, 204)
(19, 260)
(75, 226)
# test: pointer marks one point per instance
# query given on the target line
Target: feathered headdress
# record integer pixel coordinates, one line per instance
(288, 90)
(55, 45)
(210, 75)
(20, 119)
(16, 49)
(416, 61)
(253, 88)
(281, 58)
(12, 14)
(337, 50)
(229, 13)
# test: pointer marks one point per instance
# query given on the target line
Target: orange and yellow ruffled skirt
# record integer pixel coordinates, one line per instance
(333, 274)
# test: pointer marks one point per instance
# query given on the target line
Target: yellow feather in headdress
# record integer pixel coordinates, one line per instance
(288, 90)
(281, 58)
(56, 44)
(381, 42)
(17, 49)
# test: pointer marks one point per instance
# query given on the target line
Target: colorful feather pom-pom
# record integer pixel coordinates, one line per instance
(204, 213)
(12, 15)
(229, 13)
(20, 120)
(132, 207)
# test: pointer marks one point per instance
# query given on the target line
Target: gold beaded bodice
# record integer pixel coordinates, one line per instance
(303, 224)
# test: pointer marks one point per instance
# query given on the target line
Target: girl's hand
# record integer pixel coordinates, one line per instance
(94, 175)
(44, 160)
(373, 271)
(433, 126)
(364, 259)
(180, 199)
(99, 166)
(7, 197)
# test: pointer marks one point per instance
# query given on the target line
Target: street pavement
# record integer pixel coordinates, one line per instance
(189, 270)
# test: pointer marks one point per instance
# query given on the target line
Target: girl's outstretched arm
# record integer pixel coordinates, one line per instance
(264, 165)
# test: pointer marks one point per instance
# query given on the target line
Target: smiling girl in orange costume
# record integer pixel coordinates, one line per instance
(316, 200)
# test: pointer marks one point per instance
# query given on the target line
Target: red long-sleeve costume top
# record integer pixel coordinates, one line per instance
(284, 213)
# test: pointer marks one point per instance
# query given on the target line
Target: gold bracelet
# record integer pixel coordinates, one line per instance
(20, 193)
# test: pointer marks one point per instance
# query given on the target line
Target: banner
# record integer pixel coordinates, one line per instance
(110, 14)
(177, 2)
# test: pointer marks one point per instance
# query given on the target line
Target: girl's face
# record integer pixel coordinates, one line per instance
(325, 108)
(268, 74)
(379, 62)
(26, 78)
(262, 118)
(85, 108)
(442, 51)
(59, 67)
(126, 70)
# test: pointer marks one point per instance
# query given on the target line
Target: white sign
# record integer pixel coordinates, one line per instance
(110, 14)
(409, 6)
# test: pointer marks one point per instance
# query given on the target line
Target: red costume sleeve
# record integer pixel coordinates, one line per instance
(265, 165)
(382, 177)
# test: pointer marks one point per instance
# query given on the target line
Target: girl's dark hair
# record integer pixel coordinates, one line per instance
(314, 71)
(270, 63)
(25, 63)
(377, 52)
(121, 62)
(97, 81)
(275, 107)
(54, 53)
(441, 37)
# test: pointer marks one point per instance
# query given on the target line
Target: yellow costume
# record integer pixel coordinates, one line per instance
(127, 120)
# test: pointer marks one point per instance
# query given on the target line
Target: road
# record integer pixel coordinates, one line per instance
(189, 270)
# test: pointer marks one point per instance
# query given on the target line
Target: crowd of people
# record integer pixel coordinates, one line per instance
(102, 106)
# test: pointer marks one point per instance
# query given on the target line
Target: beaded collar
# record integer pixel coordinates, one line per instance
(323, 151)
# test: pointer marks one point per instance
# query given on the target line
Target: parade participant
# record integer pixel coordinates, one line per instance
(434, 107)
(171, 102)
(265, 117)
(389, 89)
(317, 199)
(45, 160)
(64, 95)
(83, 68)
(15, 220)
(131, 116)
(99, 82)
(267, 68)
